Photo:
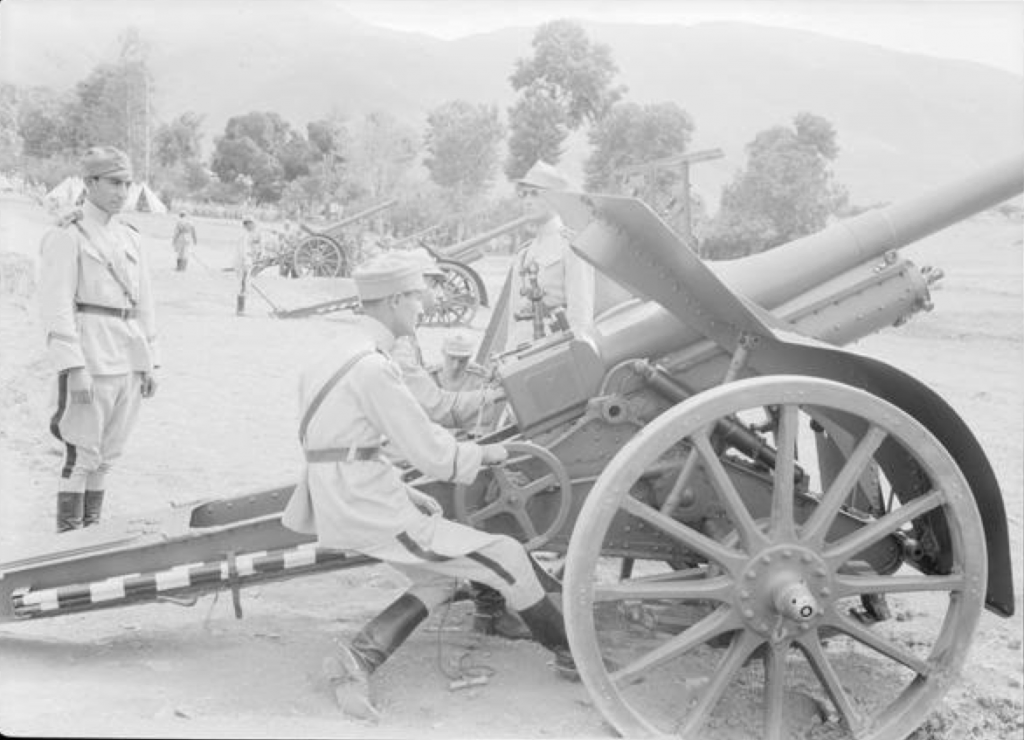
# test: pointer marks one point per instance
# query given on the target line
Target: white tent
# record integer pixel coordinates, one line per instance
(69, 192)
(142, 198)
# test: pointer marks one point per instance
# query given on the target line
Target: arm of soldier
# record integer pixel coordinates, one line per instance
(58, 285)
(434, 400)
(579, 290)
(392, 409)
(147, 320)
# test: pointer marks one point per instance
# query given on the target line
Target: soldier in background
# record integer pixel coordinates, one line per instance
(549, 280)
(248, 250)
(183, 240)
(97, 309)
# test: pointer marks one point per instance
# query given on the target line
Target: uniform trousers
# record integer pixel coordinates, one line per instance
(94, 434)
(499, 562)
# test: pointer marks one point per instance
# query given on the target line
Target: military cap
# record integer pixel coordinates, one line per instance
(457, 344)
(427, 263)
(545, 177)
(106, 161)
(387, 275)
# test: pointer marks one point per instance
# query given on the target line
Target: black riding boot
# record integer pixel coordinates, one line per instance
(70, 510)
(349, 672)
(548, 627)
(92, 508)
(492, 616)
(240, 305)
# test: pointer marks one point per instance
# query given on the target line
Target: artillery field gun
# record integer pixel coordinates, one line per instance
(736, 498)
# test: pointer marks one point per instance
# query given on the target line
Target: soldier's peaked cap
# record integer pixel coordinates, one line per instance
(387, 275)
(106, 161)
(542, 175)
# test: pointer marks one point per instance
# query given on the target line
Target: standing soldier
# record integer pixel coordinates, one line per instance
(249, 249)
(352, 400)
(183, 240)
(97, 310)
(548, 278)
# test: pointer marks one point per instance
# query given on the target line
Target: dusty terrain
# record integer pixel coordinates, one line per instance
(223, 424)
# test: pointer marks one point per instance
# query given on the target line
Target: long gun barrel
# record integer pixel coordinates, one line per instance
(772, 278)
(468, 249)
(355, 217)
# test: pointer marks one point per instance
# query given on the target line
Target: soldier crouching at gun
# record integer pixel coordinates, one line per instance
(351, 498)
(454, 410)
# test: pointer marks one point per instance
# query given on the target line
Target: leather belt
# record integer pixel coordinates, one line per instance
(118, 313)
(341, 454)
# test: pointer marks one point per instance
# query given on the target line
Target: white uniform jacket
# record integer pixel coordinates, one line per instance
(363, 504)
(73, 270)
(451, 409)
(566, 279)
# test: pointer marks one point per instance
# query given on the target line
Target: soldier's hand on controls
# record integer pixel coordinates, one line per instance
(494, 454)
(149, 385)
(80, 385)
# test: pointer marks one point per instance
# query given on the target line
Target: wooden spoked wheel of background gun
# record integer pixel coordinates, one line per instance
(528, 496)
(320, 256)
(761, 638)
(456, 299)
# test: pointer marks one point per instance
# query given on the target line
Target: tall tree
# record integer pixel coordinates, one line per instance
(539, 131)
(179, 141)
(634, 134)
(787, 189)
(462, 148)
(578, 74)
(260, 148)
(565, 84)
(384, 151)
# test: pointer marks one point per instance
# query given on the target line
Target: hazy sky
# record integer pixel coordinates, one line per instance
(986, 31)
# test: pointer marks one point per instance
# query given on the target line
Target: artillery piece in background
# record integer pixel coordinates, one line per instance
(327, 252)
(736, 497)
(462, 291)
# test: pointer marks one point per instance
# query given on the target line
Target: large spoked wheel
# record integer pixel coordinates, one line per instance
(320, 256)
(531, 488)
(456, 299)
(760, 637)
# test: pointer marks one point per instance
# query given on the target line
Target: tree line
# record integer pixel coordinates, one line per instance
(567, 83)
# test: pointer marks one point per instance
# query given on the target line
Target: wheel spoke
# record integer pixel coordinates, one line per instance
(750, 535)
(775, 691)
(719, 588)
(878, 584)
(717, 623)
(729, 559)
(880, 644)
(534, 487)
(526, 523)
(737, 654)
(782, 526)
(822, 667)
(846, 548)
(817, 526)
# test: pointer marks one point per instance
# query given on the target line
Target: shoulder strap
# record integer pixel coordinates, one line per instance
(132, 301)
(327, 387)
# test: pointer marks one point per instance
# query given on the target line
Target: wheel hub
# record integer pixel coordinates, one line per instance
(782, 591)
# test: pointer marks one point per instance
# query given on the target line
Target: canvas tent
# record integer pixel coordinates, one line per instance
(68, 192)
(140, 196)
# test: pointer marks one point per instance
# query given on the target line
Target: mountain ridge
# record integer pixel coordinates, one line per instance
(903, 120)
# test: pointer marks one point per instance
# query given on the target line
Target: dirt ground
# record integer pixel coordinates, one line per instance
(223, 424)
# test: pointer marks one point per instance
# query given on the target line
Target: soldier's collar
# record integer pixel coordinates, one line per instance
(382, 336)
(94, 213)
